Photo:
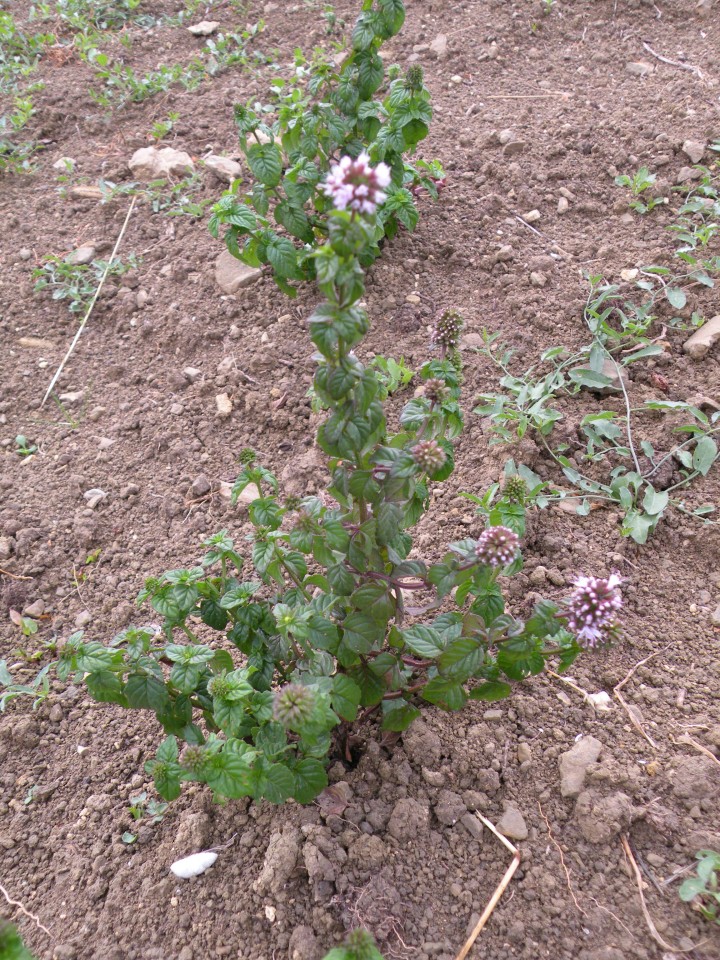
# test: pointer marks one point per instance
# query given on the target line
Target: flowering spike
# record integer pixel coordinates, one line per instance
(447, 329)
(193, 758)
(355, 185)
(414, 78)
(497, 547)
(435, 390)
(592, 607)
(429, 456)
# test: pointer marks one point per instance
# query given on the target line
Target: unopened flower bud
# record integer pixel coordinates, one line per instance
(219, 686)
(414, 78)
(515, 489)
(193, 758)
(429, 456)
(497, 547)
(447, 329)
(294, 704)
(435, 390)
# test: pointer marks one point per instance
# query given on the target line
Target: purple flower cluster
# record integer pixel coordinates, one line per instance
(497, 546)
(355, 185)
(592, 608)
(429, 456)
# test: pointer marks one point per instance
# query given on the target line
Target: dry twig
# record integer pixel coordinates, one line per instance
(674, 63)
(686, 738)
(498, 892)
(85, 319)
(616, 690)
(562, 861)
(31, 916)
(13, 576)
(646, 913)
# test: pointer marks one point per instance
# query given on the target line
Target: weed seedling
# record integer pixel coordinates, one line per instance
(703, 890)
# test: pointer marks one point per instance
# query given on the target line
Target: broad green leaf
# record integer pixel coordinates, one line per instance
(491, 691)
(265, 161)
(146, 692)
(704, 455)
(424, 641)
(310, 780)
(676, 297)
(398, 715)
(655, 501)
(345, 697)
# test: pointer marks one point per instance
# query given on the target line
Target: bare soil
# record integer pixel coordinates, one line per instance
(397, 851)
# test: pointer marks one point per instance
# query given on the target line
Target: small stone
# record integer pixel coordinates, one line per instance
(574, 765)
(131, 490)
(56, 713)
(204, 28)
(716, 617)
(24, 253)
(224, 168)
(532, 216)
(524, 753)
(201, 486)
(154, 163)
(514, 148)
(493, 716)
(177, 409)
(512, 824)
(83, 619)
(538, 575)
(36, 343)
(81, 255)
(687, 174)
(72, 397)
(639, 68)
(700, 343)
(473, 826)
(64, 165)
(563, 205)
(629, 275)
(694, 149)
(224, 405)
(35, 609)
(439, 46)
(412, 298)
(538, 279)
(192, 374)
(248, 495)
(232, 274)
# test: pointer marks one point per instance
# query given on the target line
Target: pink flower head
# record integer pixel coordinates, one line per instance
(355, 185)
(592, 608)
(497, 546)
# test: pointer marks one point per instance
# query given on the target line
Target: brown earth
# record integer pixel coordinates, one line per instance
(401, 853)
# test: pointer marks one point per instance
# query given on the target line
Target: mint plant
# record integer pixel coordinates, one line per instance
(703, 890)
(325, 112)
(359, 945)
(264, 657)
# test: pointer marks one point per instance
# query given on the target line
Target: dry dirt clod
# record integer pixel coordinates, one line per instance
(512, 823)
(232, 275)
(204, 28)
(224, 168)
(574, 765)
(280, 859)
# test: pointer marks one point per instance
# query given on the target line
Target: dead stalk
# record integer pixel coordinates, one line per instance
(686, 738)
(498, 892)
(562, 861)
(85, 319)
(616, 690)
(646, 913)
(13, 576)
(674, 63)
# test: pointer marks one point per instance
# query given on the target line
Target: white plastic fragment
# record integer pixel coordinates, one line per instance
(601, 701)
(193, 865)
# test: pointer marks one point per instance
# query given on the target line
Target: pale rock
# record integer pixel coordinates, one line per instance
(72, 397)
(563, 205)
(64, 164)
(538, 279)
(81, 256)
(158, 163)
(505, 136)
(700, 343)
(686, 174)
(35, 609)
(224, 168)
(639, 68)
(532, 216)
(628, 275)
(192, 374)
(439, 46)
(574, 765)
(616, 373)
(694, 149)
(248, 495)
(204, 28)
(224, 405)
(36, 343)
(512, 824)
(524, 753)
(5, 548)
(232, 274)
(514, 148)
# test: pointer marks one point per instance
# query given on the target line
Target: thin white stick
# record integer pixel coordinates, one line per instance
(90, 308)
(674, 63)
(16, 903)
(498, 892)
